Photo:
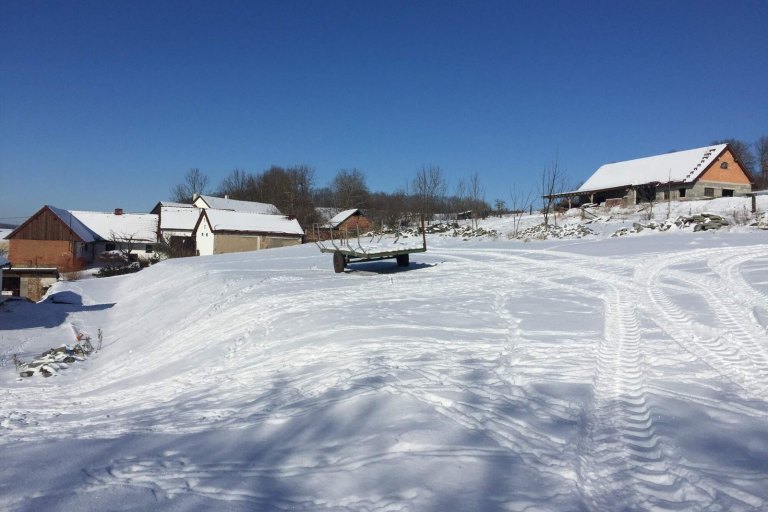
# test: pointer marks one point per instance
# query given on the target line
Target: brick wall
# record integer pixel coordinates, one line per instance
(732, 174)
(355, 222)
(40, 253)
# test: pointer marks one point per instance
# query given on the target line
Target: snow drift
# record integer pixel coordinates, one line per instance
(620, 374)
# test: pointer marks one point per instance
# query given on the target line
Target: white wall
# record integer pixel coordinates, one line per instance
(204, 239)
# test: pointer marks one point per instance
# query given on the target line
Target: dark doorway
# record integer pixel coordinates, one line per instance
(183, 246)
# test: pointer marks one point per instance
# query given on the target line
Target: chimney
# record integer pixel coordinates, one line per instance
(118, 211)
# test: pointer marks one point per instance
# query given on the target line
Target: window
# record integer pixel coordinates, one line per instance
(681, 192)
(727, 192)
(149, 248)
(709, 192)
(724, 165)
(110, 247)
(666, 194)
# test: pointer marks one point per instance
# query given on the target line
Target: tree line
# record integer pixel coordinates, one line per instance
(293, 191)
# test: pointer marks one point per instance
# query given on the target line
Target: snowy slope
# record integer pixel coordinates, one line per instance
(619, 374)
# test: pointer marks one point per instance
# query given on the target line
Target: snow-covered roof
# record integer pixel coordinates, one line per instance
(75, 224)
(178, 218)
(3, 261)
(224, 203)
(680, 166)
(177, 205)
(342, 216)
(108, 226)
(4, 232)
(326, 212)
(225, 220)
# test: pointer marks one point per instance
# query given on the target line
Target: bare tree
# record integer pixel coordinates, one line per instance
(429, 188)
(553, 180)
(195, 182)
(118, 260)
(290, 190)
(323, 196)
(349, 189)
(499, 205)
(761, 148)
(519, 203)
(459, 202)
(394, 209)
(476, 193)
(239, 184)
(125, 243)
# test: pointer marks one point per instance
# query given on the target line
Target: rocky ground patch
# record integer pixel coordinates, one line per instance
(51, 361)
(542, 232)
(696, 222)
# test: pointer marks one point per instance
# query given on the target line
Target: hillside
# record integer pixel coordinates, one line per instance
(595, 374)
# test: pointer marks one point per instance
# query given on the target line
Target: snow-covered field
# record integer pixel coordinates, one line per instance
(596, 374)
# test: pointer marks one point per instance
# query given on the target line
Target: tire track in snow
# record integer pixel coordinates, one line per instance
(726, 350)
(616, 378)
(622, 463)
(728, 268)
(739, 325)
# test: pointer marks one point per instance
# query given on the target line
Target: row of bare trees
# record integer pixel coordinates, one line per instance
(288, 189)
(292, 190)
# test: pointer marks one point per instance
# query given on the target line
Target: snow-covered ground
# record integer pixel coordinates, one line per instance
(595, 374)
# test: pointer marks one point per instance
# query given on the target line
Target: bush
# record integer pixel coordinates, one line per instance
(115, 263)
(117, 271)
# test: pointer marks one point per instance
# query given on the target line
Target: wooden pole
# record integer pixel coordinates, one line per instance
(423, 232)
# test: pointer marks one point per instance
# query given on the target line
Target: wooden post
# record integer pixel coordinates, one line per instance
(754, 203)
(423, 232)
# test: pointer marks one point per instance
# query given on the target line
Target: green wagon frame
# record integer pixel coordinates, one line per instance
(348, 250)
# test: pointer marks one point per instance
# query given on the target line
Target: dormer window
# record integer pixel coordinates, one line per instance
(724, 165)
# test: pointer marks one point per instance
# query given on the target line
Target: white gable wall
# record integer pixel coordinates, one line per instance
(204, 239)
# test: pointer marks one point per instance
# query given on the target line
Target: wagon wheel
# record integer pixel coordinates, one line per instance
(339, 262)
(403, 260)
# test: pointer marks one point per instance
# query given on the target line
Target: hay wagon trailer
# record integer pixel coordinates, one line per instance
(348, 250)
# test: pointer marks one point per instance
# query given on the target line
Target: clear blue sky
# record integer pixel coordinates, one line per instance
(107, 104)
